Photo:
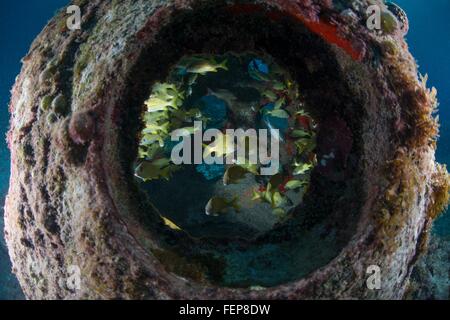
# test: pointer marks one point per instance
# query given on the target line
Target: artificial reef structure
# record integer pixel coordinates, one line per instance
(76, 116)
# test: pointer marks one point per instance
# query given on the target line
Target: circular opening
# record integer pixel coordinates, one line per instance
(227, 146)
(245, 249)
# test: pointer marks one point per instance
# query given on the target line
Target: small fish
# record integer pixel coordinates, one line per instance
(154, 128)
(265, 193)
(271, 195)
(278, 200)
(164, 95)
(295, 184)
(301, 168)
(147, 171)
(152, 170)
(155, 116)
(257, 194)
(300, 134)
(234, 174)
(150, 151)
(149, 139)
(279, 113)
(302, 113)
(220, 205)
(171, 224)
(164, 89)
(305, 145)
(155, 105)
(205, 66)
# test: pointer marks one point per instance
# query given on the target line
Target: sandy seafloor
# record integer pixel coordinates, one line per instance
(21, 21)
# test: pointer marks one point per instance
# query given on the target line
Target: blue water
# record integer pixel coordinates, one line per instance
(429, 41)
(21, 21)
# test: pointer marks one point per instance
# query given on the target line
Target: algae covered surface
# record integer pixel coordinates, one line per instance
(21, 22)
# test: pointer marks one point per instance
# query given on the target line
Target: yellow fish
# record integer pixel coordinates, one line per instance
(234, 174)
(155, 104)
(205, 66)
(152, 170)
(153, 128)
(171, 224)
(219, 205)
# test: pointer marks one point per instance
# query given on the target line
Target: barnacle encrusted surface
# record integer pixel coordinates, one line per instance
(74, 121)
